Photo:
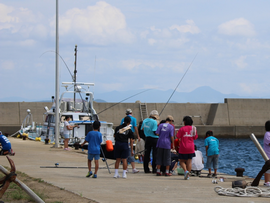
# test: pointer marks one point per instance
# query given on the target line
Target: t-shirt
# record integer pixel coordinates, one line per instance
(165, 132)
(212, 144)
(197, 161)
(150, 126)
(133, 122)
(94, 139)
(66, 131)
(187, 134)
(123, 137)
(266, 142)
(5, 142)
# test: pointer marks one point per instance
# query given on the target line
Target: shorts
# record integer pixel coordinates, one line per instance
(91, 156)
(186, 156)
(66, 136)
(121, 150)
(268, 171)
(130, 158)
(163, 157)
(212, 159)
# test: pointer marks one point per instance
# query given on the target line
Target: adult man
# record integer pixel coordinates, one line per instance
(150, 126)
(134, 129)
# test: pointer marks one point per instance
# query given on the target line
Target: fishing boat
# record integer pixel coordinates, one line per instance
(80, 110)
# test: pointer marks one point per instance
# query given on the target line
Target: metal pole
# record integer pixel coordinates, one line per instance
(259, 147)
(56, 132)
(23, 186)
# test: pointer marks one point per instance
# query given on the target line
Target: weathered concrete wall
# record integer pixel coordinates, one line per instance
(235, 117)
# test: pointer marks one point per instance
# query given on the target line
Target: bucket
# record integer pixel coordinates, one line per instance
(109, 145)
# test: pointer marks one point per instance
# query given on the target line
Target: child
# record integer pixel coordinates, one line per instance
(6, 146)
(212, 152)
(266, 147)
(187, 134)
(121, 149)
(197, 162)
(94, 139)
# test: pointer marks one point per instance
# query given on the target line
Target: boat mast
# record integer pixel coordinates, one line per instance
(56, 133)
(75, 72)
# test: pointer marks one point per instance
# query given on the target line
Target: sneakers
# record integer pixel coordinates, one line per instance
(67, 149)
(168, 174)
(94, 176)
(214, 175)
(135, 171)
(209, 175)
(89, 174)
(267, 184)
(124, 175)
(158, 174)
(186, 177)
(116, 176)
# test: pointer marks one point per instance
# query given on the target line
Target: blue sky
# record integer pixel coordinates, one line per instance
(134, 45)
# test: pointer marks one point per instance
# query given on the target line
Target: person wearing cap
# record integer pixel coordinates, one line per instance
(149, 126)
(134, 129)
(165, 132)
(6, 145)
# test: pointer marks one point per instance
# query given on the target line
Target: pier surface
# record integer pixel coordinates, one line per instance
(32, 155)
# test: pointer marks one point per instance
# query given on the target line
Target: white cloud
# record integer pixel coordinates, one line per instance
(7, 65)
(190, 27)
(240, 62)
(250, 88)
(152, 41)
(239, 26)
(98, 24)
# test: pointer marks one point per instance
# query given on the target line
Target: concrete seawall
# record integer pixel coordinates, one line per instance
(233, 118)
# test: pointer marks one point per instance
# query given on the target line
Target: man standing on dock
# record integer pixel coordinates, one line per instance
(149, 126)
(135, 131)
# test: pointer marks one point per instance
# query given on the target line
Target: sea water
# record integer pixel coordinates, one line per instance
(236, 153)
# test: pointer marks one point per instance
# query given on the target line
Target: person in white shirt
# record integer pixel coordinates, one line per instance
(197, 162)
(67, 129)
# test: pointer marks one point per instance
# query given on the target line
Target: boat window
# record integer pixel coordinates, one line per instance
(84, 118)
(50, 118)
(63, 118)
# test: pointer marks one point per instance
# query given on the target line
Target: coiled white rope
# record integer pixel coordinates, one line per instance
(240, 192)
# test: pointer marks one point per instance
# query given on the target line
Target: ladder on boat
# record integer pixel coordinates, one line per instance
(143, 110)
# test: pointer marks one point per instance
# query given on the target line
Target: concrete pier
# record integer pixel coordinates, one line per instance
(140, 187)
(233, 118)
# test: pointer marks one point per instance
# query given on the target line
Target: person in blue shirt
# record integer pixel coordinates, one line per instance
(6, 145)
(94, 139)
(149, 126)
(135, 131)
(212, 152)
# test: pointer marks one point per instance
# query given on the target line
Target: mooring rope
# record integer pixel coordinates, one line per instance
(240, 192)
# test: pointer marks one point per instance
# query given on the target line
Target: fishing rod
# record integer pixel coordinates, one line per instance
(61, 58)
(178, 84)
(124, 100)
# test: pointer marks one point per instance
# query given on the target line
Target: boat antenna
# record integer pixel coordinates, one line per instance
(94, 74)
(123, 100)
(178, 84)
(75, 72)
(61, 58)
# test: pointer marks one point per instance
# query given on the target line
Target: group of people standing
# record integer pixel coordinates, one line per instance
(160, 142)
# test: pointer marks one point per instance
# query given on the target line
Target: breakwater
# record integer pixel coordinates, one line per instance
(233, 118)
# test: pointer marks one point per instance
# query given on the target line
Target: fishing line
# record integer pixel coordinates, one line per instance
(62, 60)
(178, 84)
(123, 100)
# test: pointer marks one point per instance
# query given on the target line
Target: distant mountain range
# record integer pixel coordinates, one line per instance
(202, 94)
